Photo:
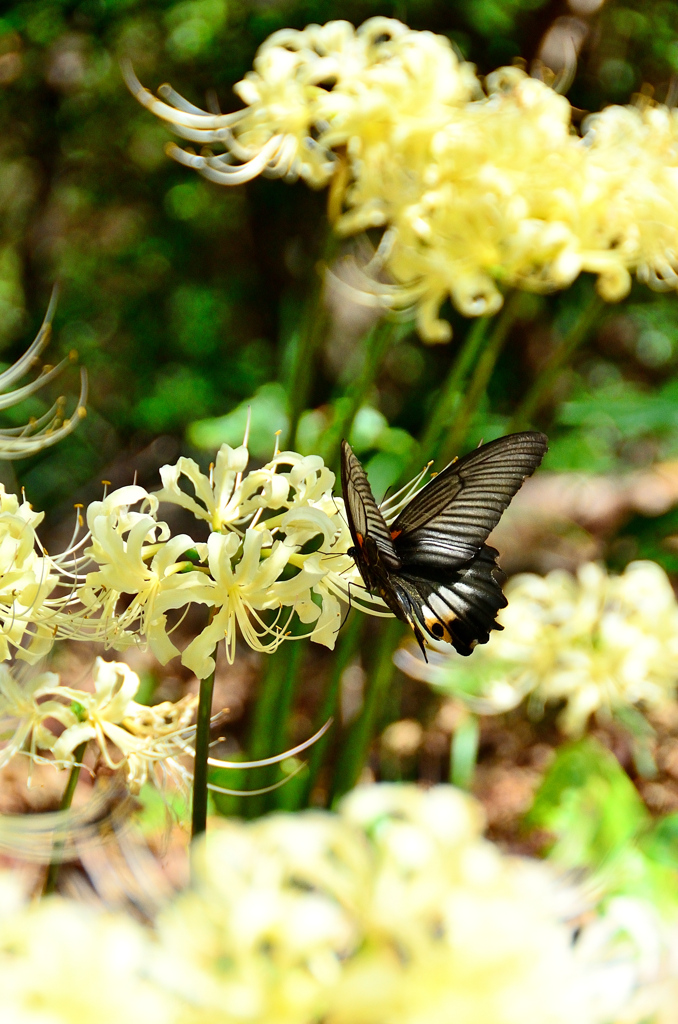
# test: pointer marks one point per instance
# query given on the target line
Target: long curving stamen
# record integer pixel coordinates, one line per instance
(24, 363)
(172, 114)
(16, 396)
(215, 762)
(255, 792)
(227, 176)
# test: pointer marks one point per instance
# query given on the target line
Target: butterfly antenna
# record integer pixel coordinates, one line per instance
(348, 612)
(385, 498)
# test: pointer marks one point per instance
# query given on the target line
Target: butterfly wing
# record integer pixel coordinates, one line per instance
(449, 520)
(365, 521)
(461, 607)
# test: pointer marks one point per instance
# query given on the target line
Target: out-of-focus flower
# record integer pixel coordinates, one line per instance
(475, 191)
(20, 442)
(395, 909)
(278, 547)
(62, 962)
(598, 642)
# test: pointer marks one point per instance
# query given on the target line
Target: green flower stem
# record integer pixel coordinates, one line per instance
(202, 748)
(356, 749)
(443, 413)
(480, 378)
(578, 333)
(66, 801)
(346, 648)
(375, 346)
(464, 752)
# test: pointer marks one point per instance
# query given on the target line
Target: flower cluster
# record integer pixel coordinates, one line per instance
(277, 548)
(394, 909)
(48, 722)
(275, 565)
(30, 612)
(475, 189)
(596, 642)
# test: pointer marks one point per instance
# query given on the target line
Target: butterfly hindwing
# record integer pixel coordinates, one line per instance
(450, 518)
(463, 608)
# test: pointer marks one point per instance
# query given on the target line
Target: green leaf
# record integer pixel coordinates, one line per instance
(268, 410)
(590, 805)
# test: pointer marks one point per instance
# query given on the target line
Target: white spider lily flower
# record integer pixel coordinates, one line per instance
(99, 713)
(23, 712)
(26, 582)
(228, 499)
(239, 592)
(147, 742)
(278, 547)
(217, 496)
(137, 556)
(476, 187)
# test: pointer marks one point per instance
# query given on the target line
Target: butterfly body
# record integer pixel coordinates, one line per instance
(431, 566)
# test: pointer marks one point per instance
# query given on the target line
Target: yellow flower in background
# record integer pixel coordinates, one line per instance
(395, 909)
(475, 191)
(62, 962)
(597, 642)
(23, 712)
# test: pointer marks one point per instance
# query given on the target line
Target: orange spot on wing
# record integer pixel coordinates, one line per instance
(395, 533)
(360, 539)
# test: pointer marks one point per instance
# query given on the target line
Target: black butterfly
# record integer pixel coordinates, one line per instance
(432, 566)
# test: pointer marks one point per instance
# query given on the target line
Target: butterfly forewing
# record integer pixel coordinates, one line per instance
(364, 520)
(447, 522)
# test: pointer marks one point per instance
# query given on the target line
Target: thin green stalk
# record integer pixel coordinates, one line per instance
(480, 378)
(202, 749)
(356, 748)
(66, 801)
(448, 399)
(578, 333)
(375, 346)
(464, 752)
(346, 648)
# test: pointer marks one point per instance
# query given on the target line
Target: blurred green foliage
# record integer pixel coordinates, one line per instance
(599, 823)
(183, 298)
